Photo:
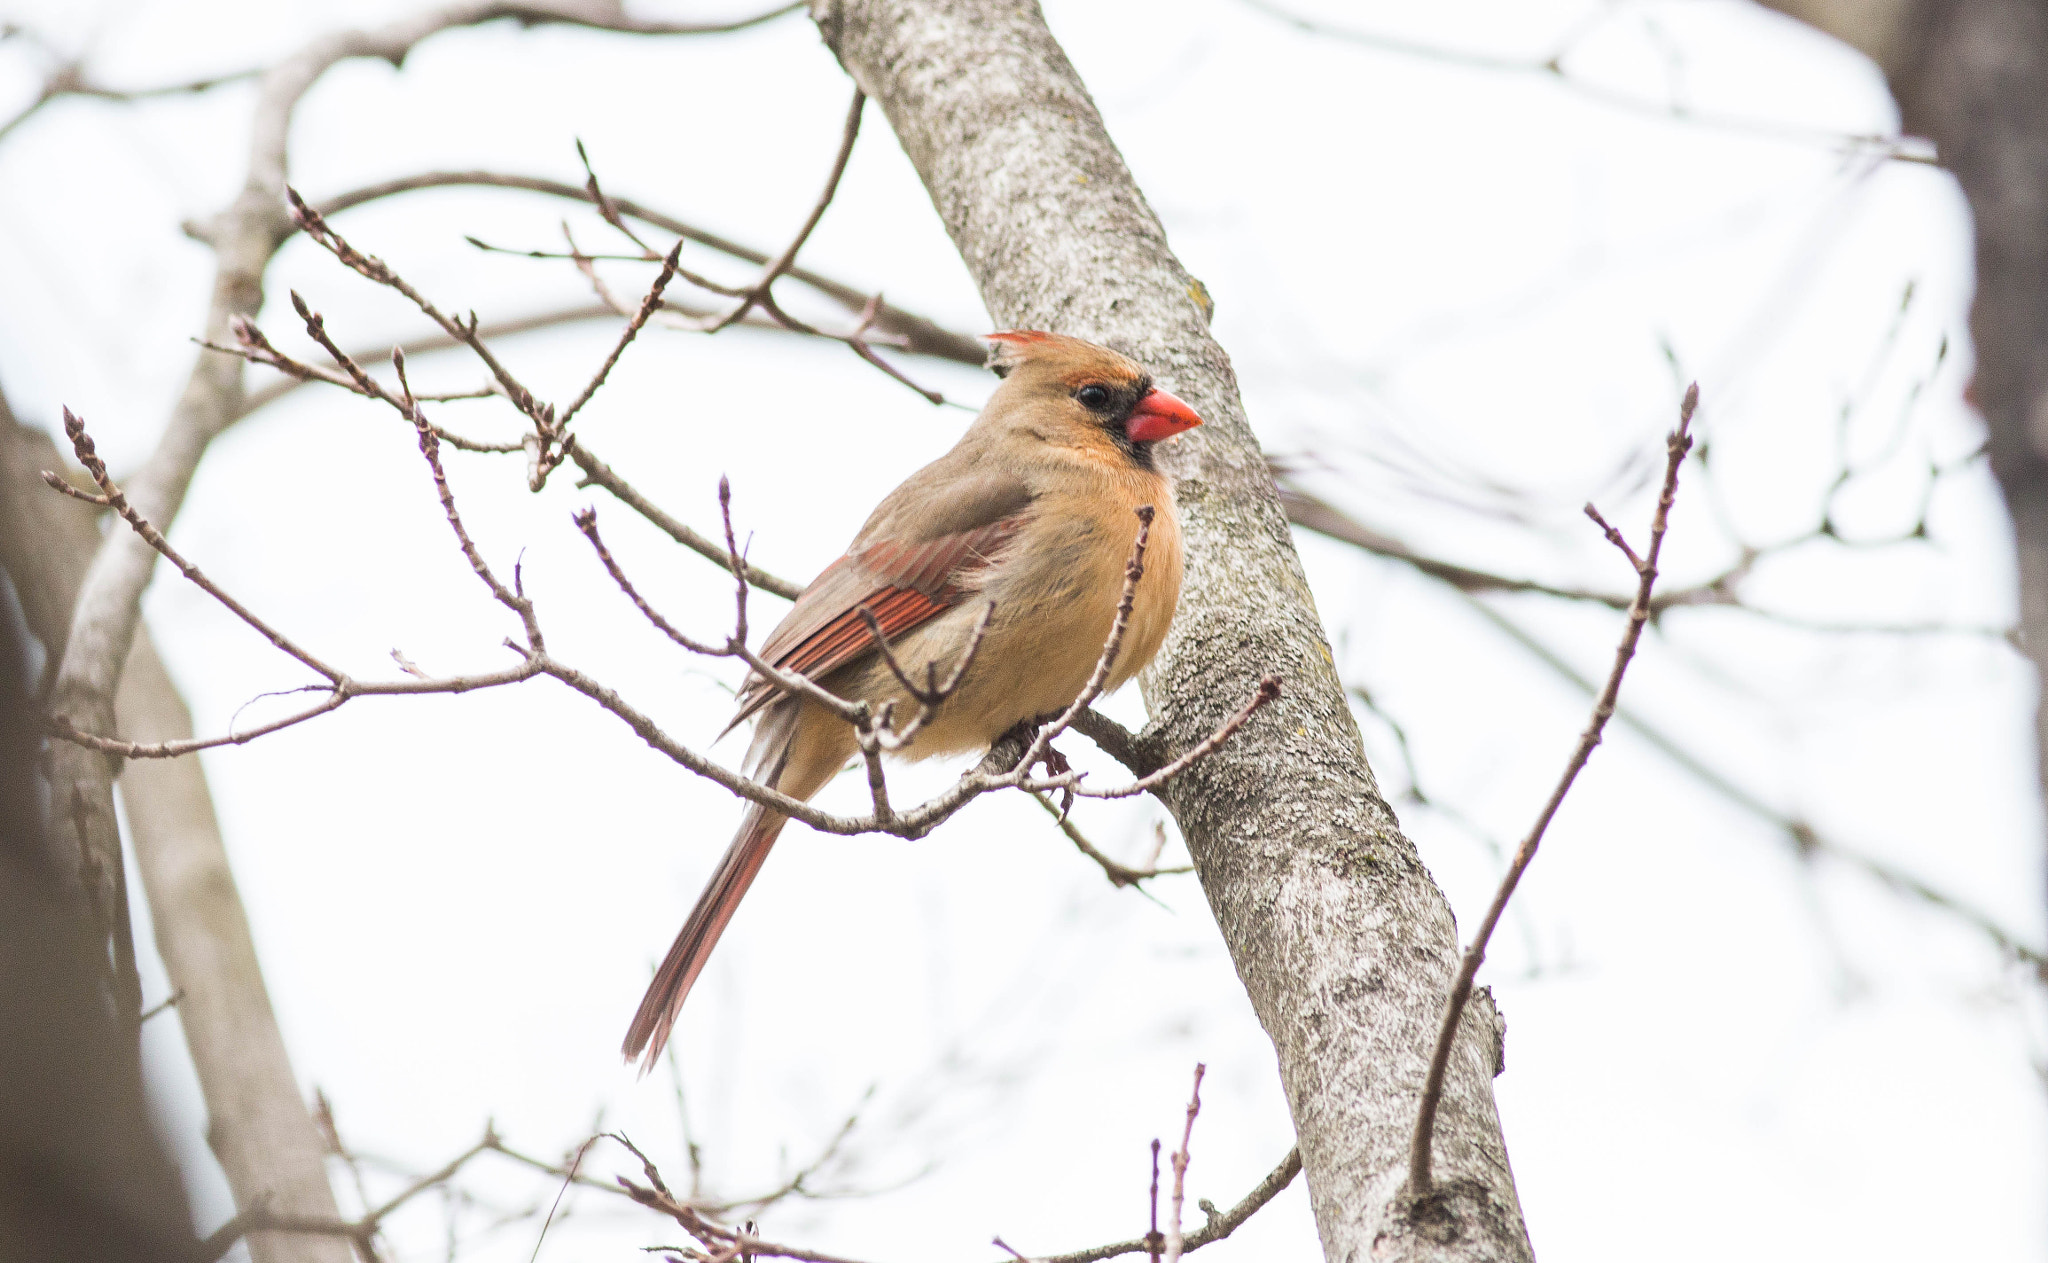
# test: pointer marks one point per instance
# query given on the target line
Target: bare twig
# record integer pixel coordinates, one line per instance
(606, 207)
(934, 691)
(267, 395)
(586, 521)
(372, 268)
(1098, 679)
(1268, 690)
(1175, 1243)
(1679, 443)
(111, 495)
(1894, 148)
(759, 291)
(70, 79)
(1217, 1227)
(339, 688)
(918, 335)
(1119, 875)
(1155, 1242)
(430, 447)
(1807, 842)
(597, 473)
(725, 1244)
(568, 1181)
(164, 1005)
(648, 305)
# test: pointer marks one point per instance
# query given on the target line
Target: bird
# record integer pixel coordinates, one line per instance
(1027, 523)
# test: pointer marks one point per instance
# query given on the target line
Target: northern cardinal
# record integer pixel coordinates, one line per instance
(1034, 509)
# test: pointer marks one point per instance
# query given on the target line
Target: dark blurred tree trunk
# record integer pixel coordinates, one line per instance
(83, 1174)
(1972, 76)
(258, 1124)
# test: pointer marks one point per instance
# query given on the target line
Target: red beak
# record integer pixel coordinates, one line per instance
(1159, 416)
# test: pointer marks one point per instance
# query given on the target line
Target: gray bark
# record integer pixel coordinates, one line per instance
(258, 1126)
(1972, 76)
(1342, 940)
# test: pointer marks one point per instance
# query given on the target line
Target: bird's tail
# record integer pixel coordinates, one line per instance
(782, 756)
(659, 1008)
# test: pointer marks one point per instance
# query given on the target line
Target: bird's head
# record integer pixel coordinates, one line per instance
(1078, 394)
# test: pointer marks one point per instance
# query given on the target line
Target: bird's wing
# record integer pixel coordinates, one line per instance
(902, 582)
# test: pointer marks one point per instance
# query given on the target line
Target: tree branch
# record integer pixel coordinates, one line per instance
(1552, 68)
(1215, 1229)
(1420, 1182)
(918, 335)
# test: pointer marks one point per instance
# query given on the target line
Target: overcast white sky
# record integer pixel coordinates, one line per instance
(1467, 298)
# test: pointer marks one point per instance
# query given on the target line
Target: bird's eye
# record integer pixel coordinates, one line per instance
(1093, 396)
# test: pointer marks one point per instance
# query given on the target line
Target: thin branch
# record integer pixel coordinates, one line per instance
(1678, 444)
(69, 80)
(919, 335)
(1722, 590)
(934, 690)
(1155, 1241)
(796, 1184)
(568, 1182)
(1176, 1244)
(111, 494)
(1098, 679)
(1131, 749)
(1268, 690)
(597, 473)
(1120, 875)
(164, 1005)
(1893, 148)
(586, 521)
(726, 1243)
(1215, 1229)
(256, 347)
(1806, 841)
(430, 448)
(264, 397)
(372, 268)
(606, 207)
(758, 292)
(648, 306)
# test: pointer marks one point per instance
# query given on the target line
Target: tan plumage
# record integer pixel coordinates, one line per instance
(1035, 509)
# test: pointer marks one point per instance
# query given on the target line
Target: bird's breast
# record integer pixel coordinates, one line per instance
(1056, 589)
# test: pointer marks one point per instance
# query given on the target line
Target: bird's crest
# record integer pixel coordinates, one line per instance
(1015, 347)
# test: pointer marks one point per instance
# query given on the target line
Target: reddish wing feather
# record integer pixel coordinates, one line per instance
(846, 637)
(904, 584)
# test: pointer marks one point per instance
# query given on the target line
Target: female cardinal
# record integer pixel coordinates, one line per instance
(1034, 510)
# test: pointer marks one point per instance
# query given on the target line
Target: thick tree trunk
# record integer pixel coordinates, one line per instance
(83, 1174)
(1972, 76)
(1342, 940)
(258, 1126)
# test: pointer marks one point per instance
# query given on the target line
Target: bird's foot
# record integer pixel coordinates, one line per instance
(1050, 758)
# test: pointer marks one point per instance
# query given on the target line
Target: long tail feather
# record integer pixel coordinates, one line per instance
(663, 1002)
